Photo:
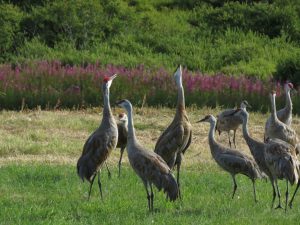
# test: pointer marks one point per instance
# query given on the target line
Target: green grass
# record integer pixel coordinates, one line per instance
(39, 184)
(53, 194)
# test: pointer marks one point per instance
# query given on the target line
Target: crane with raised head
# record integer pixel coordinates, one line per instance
(101, 142)
(279, 129)
(176, 139)
(284, 114)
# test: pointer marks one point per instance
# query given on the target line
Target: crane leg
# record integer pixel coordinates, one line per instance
(286, 194)
(234, 185)
(279, 196)
(148, 195)
(100, 185)
(108, 171)
(91, 185)
(120, 161)
(151, 197)
(178, 172)
(229, 139)
(254, 190)
(234, 138)
(291, 202)
(274, 193)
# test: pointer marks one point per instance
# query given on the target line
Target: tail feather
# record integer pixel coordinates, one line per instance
(86, 169)
(170, 187)
(289, 169)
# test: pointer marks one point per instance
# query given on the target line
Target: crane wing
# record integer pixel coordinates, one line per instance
(170, 141)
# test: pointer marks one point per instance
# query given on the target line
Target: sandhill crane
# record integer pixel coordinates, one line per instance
(99, 145)
(280, 130)
(122, 138)
(232, 161)
(148, 165)
(176, 139)
(272, 149)
(284, 114)
(283, 165)
(226, 121)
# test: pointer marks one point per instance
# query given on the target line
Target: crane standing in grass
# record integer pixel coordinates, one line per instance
(122, 138)
(227, 121)
(148, 165)
(279, 129)
(276, 158)
(176, 139)
(234, 162)
(283, 164)
(99, 145)
(284, 114)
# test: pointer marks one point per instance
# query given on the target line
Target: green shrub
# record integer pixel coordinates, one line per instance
(10, 17)
(267, 19)
(289, 69)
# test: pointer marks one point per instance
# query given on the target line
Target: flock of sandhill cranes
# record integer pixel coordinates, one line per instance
(274, 158)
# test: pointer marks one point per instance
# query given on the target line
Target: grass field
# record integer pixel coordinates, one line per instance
(39, 184)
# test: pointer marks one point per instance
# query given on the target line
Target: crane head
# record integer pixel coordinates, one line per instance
(288, 86)
(108, 80)
(208, 118)
(245, 104)
(178, 76)
(125, 104)
(123, 117)
(273, 93)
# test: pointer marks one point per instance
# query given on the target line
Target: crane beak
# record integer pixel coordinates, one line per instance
(113, 76)
(202, 120)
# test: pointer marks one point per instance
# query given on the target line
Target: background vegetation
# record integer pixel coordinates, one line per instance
(256, 38)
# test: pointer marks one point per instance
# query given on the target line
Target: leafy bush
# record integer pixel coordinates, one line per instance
(10, 17)
(267, 19)
(289, 69)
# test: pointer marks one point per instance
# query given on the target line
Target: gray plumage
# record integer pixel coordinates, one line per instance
(276, 158)
(280, 130)
(232, 161)
(283, 164)
(227, 121)
(122, 124)
(148, 165)
(176, 139)
(99, 145)
(284, 114)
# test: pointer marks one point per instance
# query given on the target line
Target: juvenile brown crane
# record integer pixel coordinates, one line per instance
(176, 139)
(284, 114)
(148, 165)
(99, 145)
(122, 124)
(280, 130)
(278, 153)
(232, 161)
(227, 121)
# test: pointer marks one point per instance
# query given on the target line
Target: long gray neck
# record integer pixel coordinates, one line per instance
(288, 100)
(180, 100)
(211, 137)
(131, 131)
(246, 135)
(273, 110)
(106, 109)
